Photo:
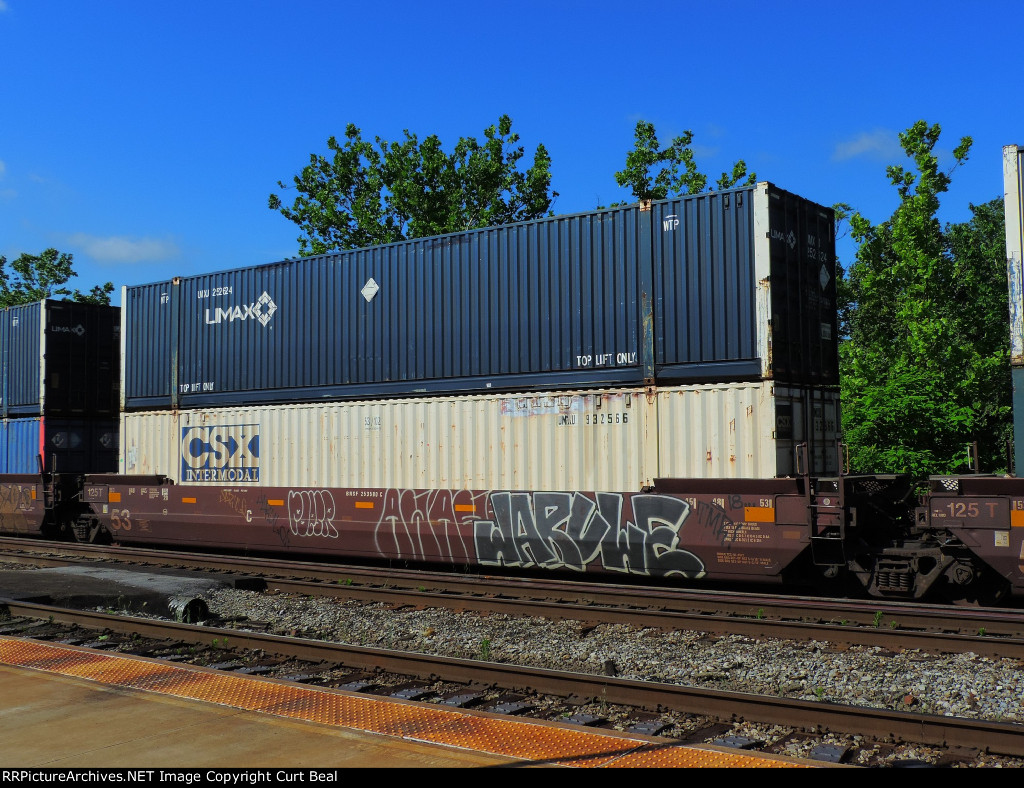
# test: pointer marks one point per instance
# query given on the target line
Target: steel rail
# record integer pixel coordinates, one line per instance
(1000, 626)
(811, 716)
(751, 627)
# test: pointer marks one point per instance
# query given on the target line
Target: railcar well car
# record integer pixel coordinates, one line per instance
(648, 391)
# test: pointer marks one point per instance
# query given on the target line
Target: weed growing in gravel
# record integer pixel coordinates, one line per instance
(485, 649)
(878, 618)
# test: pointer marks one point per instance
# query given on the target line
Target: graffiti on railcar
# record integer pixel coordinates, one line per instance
(427, 525)
(271, 513)
(236, 502)
(555, 530)
(311, 513)
(15, 501)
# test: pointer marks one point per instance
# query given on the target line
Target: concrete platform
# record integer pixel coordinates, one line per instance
(52, 722)
(64, 706)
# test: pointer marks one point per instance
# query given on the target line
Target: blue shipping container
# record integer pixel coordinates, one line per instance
(725, 286)
(66, 445)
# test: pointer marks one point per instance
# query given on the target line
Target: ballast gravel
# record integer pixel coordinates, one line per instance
(960, 685)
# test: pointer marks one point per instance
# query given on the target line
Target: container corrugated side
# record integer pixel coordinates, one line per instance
(550, 302)
(19, 445)
(60, 358)
(23, 359)
(615, 439)
(746, 431)
(745, 286)
(722, 286)
(82, 359)
(803, 322)
(147, 353)
(705, 293)
(585, 441)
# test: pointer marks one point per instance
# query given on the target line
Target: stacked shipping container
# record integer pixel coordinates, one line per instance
(689, 337)
(59, 395)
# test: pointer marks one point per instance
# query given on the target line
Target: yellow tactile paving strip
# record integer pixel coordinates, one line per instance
(520, 739)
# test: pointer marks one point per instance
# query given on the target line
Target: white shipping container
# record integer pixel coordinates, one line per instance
(614, 439)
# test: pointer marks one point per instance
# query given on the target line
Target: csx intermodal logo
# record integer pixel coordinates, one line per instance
(220, 454)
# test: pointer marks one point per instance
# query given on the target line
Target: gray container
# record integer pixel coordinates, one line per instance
(727, 286)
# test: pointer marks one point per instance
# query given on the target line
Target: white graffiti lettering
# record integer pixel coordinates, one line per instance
(572, 531)
(311, 513)
(427, 525)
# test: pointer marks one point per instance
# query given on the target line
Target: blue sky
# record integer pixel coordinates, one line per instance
(145, 137)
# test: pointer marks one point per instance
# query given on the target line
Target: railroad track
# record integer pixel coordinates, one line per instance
(714, 714)
(989, 632)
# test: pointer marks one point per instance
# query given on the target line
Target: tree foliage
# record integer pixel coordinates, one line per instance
(655, 173)
(925, 366)
(365, 193)
(35, 277)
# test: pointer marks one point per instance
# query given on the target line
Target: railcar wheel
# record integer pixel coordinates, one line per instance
(88, 530)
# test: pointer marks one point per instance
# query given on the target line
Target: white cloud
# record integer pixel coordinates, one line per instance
(879, 145)
(120, 249)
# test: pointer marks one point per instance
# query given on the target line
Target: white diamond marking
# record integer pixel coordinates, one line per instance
(370, 289)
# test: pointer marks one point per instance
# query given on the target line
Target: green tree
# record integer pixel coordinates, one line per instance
(367, 193)
(35, 277)
(654, 173)
(919, 370)
(980, 304)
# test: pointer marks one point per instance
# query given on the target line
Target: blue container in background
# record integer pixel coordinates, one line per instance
(59, 358)
(65, 445)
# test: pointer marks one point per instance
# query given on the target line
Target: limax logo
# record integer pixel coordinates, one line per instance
(262, 309)
(229, 453)
(78, 330)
